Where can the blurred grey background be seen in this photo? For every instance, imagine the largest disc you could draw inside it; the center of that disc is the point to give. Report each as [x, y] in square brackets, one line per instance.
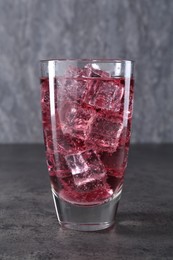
[41, 29]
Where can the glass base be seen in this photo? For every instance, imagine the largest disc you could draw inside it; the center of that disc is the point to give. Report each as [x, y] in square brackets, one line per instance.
[86, 218]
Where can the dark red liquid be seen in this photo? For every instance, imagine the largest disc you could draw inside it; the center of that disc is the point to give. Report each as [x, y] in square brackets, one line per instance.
[86, 124]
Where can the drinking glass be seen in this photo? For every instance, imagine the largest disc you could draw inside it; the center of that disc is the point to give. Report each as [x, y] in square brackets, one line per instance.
[86, 114]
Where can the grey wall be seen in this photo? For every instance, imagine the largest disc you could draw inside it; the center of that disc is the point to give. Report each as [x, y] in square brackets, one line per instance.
[35, 29]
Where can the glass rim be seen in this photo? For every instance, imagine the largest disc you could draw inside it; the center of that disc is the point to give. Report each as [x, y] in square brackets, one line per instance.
[89, 60]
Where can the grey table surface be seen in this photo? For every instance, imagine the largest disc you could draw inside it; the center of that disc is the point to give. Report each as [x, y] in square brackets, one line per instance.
[28, 225]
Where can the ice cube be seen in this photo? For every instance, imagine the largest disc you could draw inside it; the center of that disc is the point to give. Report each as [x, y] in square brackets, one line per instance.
[62, 143]
[94, 71]
[71, 88]
[87, 71]
[77, 191]
[77, 163]
[105, 94]
[75, 120]
[104, 133]
[84, 195]
[86, 167]
[75, 89]
[74, 72]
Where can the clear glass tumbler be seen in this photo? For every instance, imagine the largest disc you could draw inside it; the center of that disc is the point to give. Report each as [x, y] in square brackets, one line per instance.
[86, 114]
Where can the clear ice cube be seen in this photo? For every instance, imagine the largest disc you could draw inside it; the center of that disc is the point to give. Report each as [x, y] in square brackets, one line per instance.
[62, 143]
[104, 133]
[104, 94]
[71, 89]
[86, 167]
[74, 72]
[75, 120]
[75, 89]
[88, 71]
[74, 85]
[94, 71]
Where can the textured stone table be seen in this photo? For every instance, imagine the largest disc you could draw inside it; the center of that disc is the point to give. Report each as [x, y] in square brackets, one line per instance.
[29, 229]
